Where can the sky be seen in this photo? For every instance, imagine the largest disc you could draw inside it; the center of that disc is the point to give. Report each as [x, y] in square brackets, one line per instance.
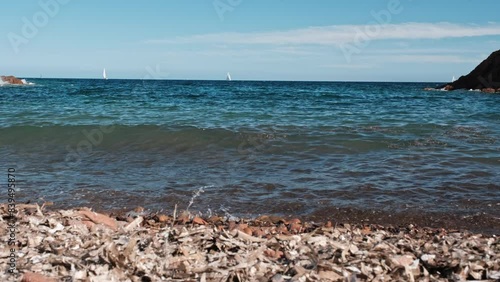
[343, 40]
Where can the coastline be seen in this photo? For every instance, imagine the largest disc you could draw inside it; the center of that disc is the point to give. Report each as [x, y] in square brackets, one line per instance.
[484, 223]
[142, 246]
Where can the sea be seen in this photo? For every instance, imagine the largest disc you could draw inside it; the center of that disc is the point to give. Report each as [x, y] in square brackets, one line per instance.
[366, 152]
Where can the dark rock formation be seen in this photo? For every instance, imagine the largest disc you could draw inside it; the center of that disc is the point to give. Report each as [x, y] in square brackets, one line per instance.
[485, 77]
[11, 79]
[488, 90]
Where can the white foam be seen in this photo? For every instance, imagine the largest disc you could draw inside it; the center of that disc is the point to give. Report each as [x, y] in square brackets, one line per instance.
[27, 82]
[2, 83]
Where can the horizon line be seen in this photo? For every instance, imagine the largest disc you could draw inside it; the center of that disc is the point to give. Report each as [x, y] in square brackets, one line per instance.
[234, 80]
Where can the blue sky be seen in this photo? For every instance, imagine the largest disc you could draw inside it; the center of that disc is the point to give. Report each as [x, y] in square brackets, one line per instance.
[377, 40]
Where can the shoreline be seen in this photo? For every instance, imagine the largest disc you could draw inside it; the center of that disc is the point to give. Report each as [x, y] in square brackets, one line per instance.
[89, 246]
[483, 223]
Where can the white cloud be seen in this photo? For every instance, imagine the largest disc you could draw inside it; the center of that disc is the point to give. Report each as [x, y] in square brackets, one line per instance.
[427, 51]
[348, 66]
[341, 34]
[432, 59]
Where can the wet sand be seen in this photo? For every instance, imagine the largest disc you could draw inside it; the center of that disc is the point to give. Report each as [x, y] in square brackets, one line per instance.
[478, 223]
[464, 217]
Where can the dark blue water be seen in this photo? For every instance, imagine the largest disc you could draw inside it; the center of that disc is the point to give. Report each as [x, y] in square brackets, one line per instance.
[253, 147]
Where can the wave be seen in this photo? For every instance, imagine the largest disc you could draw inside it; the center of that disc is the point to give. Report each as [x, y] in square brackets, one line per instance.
[271, 139]
[187, 139]
[25, 82]
[140, 137]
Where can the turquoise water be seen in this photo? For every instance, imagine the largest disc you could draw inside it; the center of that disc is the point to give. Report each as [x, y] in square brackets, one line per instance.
[253, 147]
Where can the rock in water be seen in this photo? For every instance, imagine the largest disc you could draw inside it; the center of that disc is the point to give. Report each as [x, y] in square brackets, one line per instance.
[488, 90]
[485, 75]
[11, 79]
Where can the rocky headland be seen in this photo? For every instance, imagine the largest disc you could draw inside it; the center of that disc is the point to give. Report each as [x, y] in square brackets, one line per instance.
[12, 80]
[485, 77]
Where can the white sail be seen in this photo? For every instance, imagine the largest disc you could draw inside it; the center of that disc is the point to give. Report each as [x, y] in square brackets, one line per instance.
[104, 74]
[228, 77]
[453, 79]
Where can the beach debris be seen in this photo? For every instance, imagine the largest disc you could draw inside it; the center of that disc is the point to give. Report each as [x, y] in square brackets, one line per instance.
[35, 277]
[81, 245]
[199, 220]
[98, 218]
[134, 224]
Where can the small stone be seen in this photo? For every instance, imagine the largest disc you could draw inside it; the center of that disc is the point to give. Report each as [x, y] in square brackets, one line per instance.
[328, 224]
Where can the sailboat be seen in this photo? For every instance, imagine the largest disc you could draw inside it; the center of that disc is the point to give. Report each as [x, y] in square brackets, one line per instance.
[228, 77]
[453, 79]
[104, 74]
